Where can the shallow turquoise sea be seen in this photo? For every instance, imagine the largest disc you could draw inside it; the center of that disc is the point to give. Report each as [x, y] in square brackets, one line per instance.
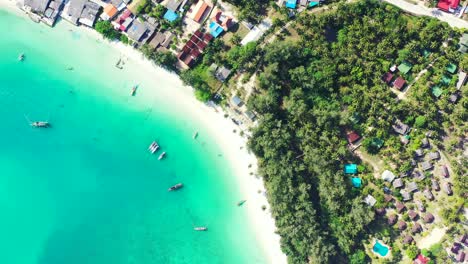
[87, 191]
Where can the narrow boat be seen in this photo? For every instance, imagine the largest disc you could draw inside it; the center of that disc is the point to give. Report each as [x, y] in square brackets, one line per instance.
[21, 57]
[70, 69]
[134, 88]
[241, 202]
[176, 187]
[201, 228]
[195, 135]
[153, 147]
[41, 124]
[162, 156]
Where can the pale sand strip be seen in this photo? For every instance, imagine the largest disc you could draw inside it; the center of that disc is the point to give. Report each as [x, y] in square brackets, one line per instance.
[222, 128]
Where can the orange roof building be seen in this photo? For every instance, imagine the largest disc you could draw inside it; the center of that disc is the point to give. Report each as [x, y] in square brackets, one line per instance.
[199, 11]
[109, 12]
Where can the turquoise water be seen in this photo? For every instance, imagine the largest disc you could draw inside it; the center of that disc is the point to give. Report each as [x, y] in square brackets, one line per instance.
[381, 249]
[86, 190]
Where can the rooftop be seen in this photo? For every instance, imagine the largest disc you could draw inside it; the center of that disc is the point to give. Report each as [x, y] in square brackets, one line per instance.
[405, 67]
[399, 83]
[350, 169]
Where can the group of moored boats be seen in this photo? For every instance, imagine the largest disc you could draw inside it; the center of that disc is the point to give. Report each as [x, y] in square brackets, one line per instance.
[153, 147]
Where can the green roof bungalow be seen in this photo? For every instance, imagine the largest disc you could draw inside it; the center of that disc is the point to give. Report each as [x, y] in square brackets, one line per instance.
[436, 91]
[405, 67]
[357, 182]
[355, 118]
[426, 53]
[350, 169]
[377, 143]
[452, 68]
[445, 80]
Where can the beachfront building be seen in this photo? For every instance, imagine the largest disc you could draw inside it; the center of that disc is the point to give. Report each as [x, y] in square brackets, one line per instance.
[124, 21]
[46, 11]
[161, 40]
[140, 31]
[219, 23]
[81, 12]
[109, 12]
[36, 6]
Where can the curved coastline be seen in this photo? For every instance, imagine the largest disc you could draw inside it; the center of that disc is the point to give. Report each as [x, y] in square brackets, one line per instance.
[222, 130]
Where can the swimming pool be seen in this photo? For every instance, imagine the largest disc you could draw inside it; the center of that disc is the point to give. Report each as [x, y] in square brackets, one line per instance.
[380, 249]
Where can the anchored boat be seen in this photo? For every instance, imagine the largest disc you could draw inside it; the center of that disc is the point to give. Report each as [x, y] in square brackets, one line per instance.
[176, 187]
[201, 228]
[241, 202]
[195, 135]
[134, 88]
[41, 124]
[162, 156]
[21, 57]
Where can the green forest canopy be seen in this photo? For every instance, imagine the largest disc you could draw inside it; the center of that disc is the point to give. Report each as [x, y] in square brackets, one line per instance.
[307, 92]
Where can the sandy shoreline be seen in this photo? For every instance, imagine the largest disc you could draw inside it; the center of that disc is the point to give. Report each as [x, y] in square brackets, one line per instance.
[222, 128]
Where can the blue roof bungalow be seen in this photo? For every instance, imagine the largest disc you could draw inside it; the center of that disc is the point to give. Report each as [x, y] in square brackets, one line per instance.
[313, 4]
[357, 182]
[291, 4]
[215, 29]
[350, 169]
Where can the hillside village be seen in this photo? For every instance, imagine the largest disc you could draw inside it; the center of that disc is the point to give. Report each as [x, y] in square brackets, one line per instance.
[412, 177]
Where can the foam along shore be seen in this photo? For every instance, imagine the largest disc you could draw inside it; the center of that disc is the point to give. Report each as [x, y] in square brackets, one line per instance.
[234, 146]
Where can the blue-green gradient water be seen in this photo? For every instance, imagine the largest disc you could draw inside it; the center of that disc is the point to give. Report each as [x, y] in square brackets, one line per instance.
[87, 191]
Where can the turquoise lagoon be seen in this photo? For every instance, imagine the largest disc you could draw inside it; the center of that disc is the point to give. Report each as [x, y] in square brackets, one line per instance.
[87, 191]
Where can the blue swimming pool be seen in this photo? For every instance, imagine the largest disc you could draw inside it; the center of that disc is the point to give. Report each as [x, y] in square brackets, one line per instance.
[380, 249]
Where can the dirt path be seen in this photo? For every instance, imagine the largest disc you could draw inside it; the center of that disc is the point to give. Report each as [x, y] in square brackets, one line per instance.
[377, 164]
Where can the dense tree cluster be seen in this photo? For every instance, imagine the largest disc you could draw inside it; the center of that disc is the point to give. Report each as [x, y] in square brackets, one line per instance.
[249, 10]
[307, 91]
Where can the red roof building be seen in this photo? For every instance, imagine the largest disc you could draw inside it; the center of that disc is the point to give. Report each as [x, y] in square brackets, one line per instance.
[448, 5]
[352, 137]
[399, 83]
[421, 260]
[387, 77]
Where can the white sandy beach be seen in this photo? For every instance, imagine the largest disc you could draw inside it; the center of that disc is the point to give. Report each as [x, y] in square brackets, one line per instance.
[219, 126]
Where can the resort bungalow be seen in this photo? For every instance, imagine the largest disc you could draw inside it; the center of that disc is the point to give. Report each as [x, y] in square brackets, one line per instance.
[434, 155]
[388, 198]
[357, 182]
[388, 176]
[463, 44]
[406, 195]
[250, 115]
[350, 169]
[425, 143]
[412, 187]
[428, 218]
[387, 77]
[428, 194]
[370, 200]
[36, 6]
[398, 183]
[418, 175]
[399, 83]
[455, 248]
[420, 206]
[392, 219]
[400, 128]
[236, 101]
[448, 189]
[222, 73]
[291, 4]
[426, 165]
[418, 153]
[421, 260]
[416, 228]
[448, 5]
[435, 185]
[444, 171]
[408, 240]
[461, 79]
[453, 98]
[401, 225]
[461, 257]
[413, 215]
[352, 137]
[400, 207]
[109, 12]
[405, 67]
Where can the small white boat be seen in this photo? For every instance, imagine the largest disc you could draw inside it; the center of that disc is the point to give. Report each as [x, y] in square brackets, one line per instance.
[201, 228]
[195, 135]
[42, 124]
[162, 156]
[176, 187]
[21, 57]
